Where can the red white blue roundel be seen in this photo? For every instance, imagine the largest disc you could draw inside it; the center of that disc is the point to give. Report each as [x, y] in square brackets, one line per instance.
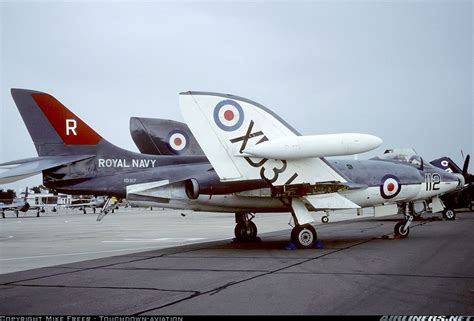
[228, 115]
[390, 186]
[177, 141]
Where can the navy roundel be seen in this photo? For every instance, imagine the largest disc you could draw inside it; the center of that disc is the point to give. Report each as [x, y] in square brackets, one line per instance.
[228, 115]
[178, 141]
[390, 186]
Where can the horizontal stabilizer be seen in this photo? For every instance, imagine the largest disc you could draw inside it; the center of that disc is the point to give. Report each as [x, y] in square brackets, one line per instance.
[32, 166]
[330, 201]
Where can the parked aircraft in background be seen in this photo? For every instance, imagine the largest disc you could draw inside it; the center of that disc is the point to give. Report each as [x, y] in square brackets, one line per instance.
[30, 201]
[18, 204]
[257, 163]
[88, 202]
[465, 197]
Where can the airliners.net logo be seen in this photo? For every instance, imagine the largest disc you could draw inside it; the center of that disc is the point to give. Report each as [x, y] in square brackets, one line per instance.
[426, 318]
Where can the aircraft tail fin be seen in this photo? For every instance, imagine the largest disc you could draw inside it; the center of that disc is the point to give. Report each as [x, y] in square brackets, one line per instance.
[447, 164]
[54, 129]
[226, 126]
[163, 137]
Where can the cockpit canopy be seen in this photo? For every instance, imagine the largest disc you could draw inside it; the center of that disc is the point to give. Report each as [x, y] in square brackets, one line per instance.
[406, 156]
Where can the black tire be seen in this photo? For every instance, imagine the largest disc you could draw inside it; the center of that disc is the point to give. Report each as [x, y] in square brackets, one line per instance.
[304, 236]
[245, 231]
[449, 214]
[399, 230]
[325, 219]
[471, 207]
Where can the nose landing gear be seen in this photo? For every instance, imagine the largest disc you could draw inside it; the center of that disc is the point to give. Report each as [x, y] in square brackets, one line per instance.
[402, 228]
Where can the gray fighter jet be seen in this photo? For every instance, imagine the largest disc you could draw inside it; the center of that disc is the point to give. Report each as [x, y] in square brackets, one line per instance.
[155, 136]
[74, 159]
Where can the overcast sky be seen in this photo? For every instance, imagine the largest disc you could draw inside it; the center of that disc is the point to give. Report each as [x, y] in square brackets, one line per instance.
[401, 70]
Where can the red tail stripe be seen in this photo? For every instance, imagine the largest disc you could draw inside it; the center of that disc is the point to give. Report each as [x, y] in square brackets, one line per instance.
[58, 115]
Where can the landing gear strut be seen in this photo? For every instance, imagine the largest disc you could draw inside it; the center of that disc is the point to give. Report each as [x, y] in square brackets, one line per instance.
[402, 228]
[303, 234]
[245, 230]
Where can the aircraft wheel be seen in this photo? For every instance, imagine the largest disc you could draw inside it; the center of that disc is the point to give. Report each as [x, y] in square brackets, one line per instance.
[449, 214]
[245, 231]
[400, 231]
[471, 207]
[3, 214]
[304, 236]
[16, 213]
[325, 219]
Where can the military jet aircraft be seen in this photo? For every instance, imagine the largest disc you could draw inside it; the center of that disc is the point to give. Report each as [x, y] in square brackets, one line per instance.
[93, 202]
[241, 176]
[244, 140]
[155, 136]
[28, 202]
[18, 204]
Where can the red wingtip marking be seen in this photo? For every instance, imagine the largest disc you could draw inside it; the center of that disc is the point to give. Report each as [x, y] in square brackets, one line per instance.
[62, 119]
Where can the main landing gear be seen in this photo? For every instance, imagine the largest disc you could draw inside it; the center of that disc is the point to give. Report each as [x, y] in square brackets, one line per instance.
[402, 228]
[304, 236]
[449, 214]
[245, 230]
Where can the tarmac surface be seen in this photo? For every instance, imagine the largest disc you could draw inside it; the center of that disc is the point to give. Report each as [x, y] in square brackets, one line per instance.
[192, 267]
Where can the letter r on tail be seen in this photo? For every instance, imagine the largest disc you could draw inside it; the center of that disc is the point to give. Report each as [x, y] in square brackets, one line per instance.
[71, 126]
